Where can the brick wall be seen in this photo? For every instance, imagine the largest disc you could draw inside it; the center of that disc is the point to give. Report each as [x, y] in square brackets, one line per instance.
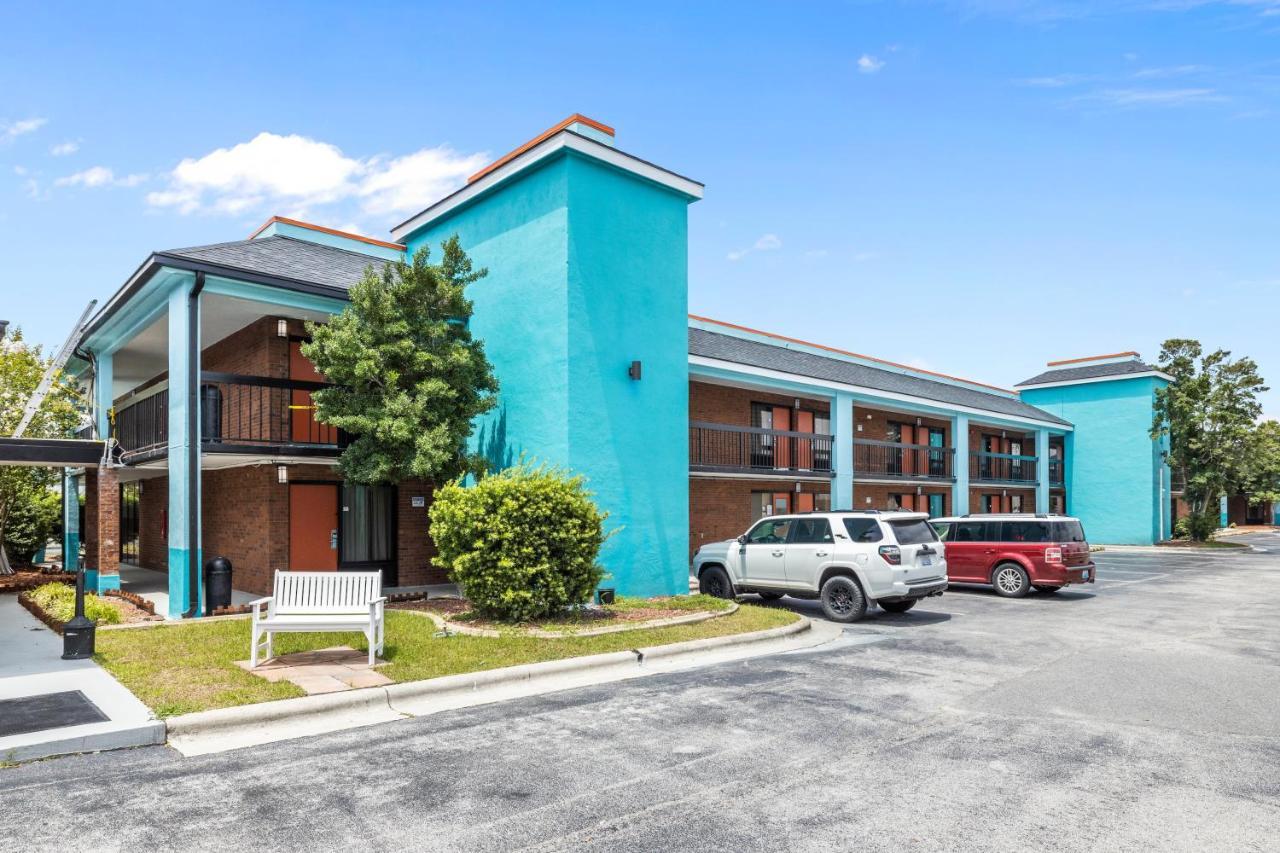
[721, 509]
[414, 547]
[874, 424]
[1028, 499]
[722, 405]
[153, 536]
[880, 499]
[101, 534]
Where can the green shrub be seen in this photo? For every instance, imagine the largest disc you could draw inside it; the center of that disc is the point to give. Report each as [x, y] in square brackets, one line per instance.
[522, 543]
[59, 601]
[1200, 526]
[1182, 528]
[32, 522]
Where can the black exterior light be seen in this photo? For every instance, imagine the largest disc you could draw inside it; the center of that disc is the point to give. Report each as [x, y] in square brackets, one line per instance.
[78, 634]
[634, 370]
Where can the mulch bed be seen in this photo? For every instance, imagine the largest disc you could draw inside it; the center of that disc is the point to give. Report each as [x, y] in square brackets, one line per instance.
[459, 610]
[130, 612]
[26, 579]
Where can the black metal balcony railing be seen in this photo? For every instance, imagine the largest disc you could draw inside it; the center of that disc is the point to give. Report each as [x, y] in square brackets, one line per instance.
[730, 449]
[1177, 480]
[1001, 467]
[240, 414]
[872, 458]
[1055, 472]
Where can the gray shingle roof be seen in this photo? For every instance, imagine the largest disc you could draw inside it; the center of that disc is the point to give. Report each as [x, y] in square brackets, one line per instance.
[785, 359]
[1088, 371]
[286, 257]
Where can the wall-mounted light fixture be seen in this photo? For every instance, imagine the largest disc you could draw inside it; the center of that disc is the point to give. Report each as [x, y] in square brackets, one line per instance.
[282, 473]
[635, 370]
[919, 490]
[918, 421]
[797, 488]
[282, 328]
[797, 403]
[868, 499]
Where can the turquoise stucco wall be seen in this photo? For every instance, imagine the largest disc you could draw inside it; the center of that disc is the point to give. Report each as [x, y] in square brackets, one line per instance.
[1114, 470]
[588, 272]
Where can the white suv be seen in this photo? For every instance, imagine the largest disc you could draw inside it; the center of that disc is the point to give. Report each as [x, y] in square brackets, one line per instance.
[846, 559]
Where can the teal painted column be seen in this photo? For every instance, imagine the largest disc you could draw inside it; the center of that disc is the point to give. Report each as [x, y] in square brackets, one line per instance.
[960, 443]
[842, 429]
[1222, 511]
[70, 521]
[1042, 470]
[103, 380]
[182, 324]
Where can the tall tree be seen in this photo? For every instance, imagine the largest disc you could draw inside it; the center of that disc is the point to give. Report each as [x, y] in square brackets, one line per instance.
[1261, 483]
[408, 376]
[1208, 412]
[21, 367]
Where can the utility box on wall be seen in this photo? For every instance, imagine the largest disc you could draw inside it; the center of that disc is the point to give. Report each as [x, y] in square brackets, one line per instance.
[587, 253]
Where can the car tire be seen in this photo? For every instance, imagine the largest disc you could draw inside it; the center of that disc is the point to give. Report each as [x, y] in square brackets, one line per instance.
[1046, 588]
[769, 596]
[898, 606]
[1010, 580]
[714, 581]
[842, 600]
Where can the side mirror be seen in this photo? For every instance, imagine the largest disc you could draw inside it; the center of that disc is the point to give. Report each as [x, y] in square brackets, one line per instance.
[742, 540]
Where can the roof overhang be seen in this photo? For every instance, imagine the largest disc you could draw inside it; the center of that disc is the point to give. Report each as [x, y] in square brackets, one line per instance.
[1114, 377]
[50, 452]
[561, 143]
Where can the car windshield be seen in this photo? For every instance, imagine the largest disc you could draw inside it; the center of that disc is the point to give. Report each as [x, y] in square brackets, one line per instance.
[914, 531]
[1069, 531]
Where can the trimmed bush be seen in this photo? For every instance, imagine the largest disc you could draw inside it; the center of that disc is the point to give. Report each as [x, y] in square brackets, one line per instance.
[522, 544]
[59, 601]
[1201, 525]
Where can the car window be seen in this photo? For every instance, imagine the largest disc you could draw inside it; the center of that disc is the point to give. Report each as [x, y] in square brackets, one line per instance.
[811, 530]
[942, 528]
[1027, 532]
[863, 529]
[915, 531]
[1068, 531]
[770, 532]
[968, 531]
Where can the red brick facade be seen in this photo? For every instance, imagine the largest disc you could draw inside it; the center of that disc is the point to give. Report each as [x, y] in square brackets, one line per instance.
[722, 405]
[721, 509]
[102, 520]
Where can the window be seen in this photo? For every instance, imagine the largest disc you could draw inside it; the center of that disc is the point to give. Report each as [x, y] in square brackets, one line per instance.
[1068, 531]
[1027, 531]
[773, 532]
[811, 531]
[913, 532]
[822, 501]
[1015, 503]
[990, 503]
[971, 531]
[863, 529]
[368, 519]
[937, 458]
[761, 505]
[943, 529]
[897, 501]
[129, 497]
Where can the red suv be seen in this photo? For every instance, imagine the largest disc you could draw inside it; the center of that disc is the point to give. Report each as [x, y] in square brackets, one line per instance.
[1015, 553]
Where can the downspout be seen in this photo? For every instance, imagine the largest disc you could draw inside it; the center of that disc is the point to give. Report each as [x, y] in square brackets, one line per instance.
[193, 447]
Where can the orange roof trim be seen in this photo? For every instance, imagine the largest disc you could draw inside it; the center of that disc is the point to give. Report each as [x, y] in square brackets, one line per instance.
[334, 231]
[576, 118]
[854, 354]
[1091, 358]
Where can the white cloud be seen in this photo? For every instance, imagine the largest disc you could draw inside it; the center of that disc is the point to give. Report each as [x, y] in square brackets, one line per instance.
[62, 149]
[12, 130]
[861, 257]
[1169, 71]
[304, 173]
[1055, 81]
[868, 64]
[98, 176]
[1133, 97]
[765, 243]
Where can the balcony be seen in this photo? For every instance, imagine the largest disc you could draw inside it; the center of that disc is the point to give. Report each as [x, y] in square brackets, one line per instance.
[987, 467]
[238, 414]
[1177, 481]
[874, 459]
[1055, 472]
[721, 448]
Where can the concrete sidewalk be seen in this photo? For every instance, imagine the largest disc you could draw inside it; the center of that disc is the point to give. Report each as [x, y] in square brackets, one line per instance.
[31, 665]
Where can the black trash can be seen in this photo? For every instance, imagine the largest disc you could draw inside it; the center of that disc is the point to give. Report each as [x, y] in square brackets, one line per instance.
[217, 584]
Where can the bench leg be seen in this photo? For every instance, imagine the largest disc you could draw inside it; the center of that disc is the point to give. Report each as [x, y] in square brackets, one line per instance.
[253, 648]
[373, 644]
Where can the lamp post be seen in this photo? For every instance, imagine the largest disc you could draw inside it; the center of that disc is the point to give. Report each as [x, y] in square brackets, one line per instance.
[78, 634]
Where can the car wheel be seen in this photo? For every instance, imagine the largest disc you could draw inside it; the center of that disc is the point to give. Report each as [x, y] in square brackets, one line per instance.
[714, 581]
[1010, 580]
[1045, 588]
[769, 596]
[842, 600]
[898, 606]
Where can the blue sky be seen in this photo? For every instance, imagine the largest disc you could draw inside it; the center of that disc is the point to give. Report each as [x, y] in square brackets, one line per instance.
[972, 187]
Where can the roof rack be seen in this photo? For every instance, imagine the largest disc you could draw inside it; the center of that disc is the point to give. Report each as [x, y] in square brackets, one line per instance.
[1012, 515]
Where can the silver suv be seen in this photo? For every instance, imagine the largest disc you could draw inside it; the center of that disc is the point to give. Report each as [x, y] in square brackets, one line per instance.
[845, 559]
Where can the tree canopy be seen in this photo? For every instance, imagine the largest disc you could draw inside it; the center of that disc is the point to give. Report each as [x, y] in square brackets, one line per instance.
[408, 376]
[1208, 412]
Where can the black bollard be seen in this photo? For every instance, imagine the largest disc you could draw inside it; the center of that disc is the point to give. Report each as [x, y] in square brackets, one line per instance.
[78, 634]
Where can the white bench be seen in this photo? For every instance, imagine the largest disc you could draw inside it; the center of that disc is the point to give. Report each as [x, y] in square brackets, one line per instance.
[320, 601]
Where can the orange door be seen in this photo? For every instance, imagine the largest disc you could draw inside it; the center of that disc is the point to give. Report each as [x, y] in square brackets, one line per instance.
[781, 446]
[313, 527]
[804, 446]
[303, 428]
[804, 502]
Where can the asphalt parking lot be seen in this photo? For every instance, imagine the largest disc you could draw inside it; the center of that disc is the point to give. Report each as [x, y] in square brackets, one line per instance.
[1138, 713]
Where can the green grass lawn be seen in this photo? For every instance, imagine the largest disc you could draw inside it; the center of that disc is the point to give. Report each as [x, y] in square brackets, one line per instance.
[179, 669]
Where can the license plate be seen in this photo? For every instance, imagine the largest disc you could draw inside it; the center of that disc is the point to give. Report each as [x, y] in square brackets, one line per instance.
[1084, 575]
[926, 561]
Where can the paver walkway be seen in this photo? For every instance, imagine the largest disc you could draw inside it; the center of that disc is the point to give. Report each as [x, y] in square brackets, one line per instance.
[322, 671]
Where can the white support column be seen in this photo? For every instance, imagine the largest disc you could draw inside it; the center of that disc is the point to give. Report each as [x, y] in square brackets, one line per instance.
[1042, 470]
[960, 443]
[842, 429]
[184, 477]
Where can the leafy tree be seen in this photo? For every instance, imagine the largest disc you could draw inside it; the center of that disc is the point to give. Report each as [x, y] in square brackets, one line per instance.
[408, 377]
[1208, 412]
[1261, 483]
[21, 367]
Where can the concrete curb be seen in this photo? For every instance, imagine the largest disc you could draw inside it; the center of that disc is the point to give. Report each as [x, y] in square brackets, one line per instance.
[248, 725]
